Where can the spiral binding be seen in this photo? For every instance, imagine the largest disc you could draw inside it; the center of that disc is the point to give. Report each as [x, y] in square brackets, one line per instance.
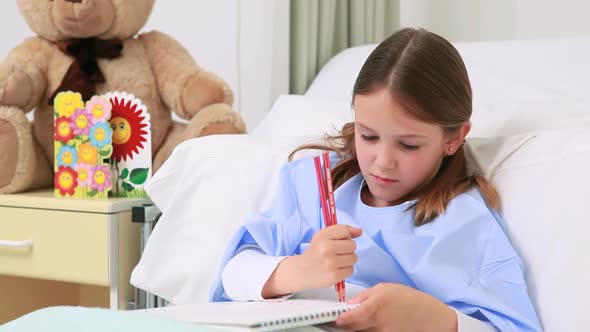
[300, 320]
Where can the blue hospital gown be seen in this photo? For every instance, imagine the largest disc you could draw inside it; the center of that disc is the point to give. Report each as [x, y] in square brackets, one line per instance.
[463, 257]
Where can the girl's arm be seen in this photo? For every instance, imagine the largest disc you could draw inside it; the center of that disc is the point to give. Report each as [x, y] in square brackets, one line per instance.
[330, 258]
[275, 232]
[252, 275]
[244, 275]
[293, 226]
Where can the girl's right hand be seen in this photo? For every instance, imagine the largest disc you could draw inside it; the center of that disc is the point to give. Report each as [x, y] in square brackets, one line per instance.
[330, 256]
[328, 259]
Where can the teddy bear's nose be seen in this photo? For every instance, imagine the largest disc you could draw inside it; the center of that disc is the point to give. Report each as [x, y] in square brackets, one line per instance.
[74, 1]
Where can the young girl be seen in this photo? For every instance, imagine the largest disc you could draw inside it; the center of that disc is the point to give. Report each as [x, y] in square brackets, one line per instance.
[419, 241]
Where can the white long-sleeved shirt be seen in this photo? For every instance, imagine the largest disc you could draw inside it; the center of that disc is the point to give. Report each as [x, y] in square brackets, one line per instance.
[253, 268]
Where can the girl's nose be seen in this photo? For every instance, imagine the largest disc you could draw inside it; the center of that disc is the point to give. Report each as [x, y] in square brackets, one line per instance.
[386, 159]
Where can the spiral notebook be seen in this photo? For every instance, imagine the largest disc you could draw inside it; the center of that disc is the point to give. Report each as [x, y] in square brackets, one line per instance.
[257, 316]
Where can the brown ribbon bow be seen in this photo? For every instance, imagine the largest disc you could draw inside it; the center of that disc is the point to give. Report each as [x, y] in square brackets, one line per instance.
[84, 73]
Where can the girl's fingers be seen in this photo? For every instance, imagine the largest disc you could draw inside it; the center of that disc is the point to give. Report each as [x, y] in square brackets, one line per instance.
[336, 232]
[367, 308]
[344, 273]
[360, 318]
[355, 231]
[340, 232]
[362, 296]
[343, 261]
[344, 247]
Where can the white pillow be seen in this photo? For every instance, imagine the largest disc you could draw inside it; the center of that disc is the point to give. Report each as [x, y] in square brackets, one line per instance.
[205, 190]
[512, 71]
[210, 185]
[508, 118]
[544, 184]
[296, 119]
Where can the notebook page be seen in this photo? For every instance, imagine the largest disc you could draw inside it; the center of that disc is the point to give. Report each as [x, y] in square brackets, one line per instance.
[256, 315]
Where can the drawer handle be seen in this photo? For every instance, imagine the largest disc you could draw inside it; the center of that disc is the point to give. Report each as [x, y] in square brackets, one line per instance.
[16, 244]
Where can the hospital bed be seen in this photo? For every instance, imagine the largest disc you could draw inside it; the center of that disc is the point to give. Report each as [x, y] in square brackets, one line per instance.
[530, 137]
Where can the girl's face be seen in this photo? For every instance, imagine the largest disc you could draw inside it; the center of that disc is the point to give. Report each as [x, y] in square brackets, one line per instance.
[396, 153]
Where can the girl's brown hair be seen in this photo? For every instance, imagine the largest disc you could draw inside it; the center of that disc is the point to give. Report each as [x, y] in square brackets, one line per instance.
[426, 75]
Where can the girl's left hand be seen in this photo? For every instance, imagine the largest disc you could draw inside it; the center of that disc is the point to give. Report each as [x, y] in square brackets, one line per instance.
[395, 307]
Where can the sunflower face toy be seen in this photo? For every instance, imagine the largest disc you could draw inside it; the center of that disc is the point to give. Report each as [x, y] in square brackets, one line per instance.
[132, 155]
[84, 47]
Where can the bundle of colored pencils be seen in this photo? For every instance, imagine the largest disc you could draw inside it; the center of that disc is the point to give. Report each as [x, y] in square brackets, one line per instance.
[324, 177]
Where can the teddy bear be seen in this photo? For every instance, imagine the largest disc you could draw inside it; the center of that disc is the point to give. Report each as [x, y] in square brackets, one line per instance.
[93, 47]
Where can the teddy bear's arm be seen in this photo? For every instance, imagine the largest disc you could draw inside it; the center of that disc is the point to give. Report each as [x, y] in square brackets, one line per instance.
[22, 74]
[185, 87]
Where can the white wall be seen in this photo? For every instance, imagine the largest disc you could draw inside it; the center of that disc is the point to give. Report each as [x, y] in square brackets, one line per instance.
[264, 56]
[11, 37]
[543, 18]
[232, 38]
[246, 42]
[207, 29]
[467, 20]
[236, 40]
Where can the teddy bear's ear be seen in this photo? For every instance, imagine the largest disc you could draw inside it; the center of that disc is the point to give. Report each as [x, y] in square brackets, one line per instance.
[62, 19]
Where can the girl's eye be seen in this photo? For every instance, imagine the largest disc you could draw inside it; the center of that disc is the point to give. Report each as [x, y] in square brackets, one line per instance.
[409, 147]
[369, 138]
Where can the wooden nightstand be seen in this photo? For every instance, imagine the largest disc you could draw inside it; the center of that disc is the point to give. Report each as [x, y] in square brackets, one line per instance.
[56, 251]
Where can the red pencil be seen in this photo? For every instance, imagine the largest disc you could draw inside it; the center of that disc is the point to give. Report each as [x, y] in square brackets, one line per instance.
[322, 189]
[340, 286]
[328, 206]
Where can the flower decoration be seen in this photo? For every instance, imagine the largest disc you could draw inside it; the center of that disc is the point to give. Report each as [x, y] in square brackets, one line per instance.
[99, 107]
[128, 127]
[66, 156]
[84, 174]
[63, 130]
[66, 103]
[81, 122]
[65, 180]
[88, 154]
[100, 134]
[101, 178]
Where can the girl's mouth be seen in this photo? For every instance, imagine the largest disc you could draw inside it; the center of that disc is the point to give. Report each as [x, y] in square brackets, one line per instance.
[384, 180]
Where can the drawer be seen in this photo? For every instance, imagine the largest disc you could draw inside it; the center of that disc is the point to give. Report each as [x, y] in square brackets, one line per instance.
[66, 245]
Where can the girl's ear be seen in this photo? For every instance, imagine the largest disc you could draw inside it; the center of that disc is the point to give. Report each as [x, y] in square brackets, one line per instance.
[457, 138]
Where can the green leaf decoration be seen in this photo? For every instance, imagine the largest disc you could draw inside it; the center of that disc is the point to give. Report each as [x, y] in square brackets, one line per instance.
[124, 173]
[105, 153]
[139, 175]
[128, 187]
[92, 193]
